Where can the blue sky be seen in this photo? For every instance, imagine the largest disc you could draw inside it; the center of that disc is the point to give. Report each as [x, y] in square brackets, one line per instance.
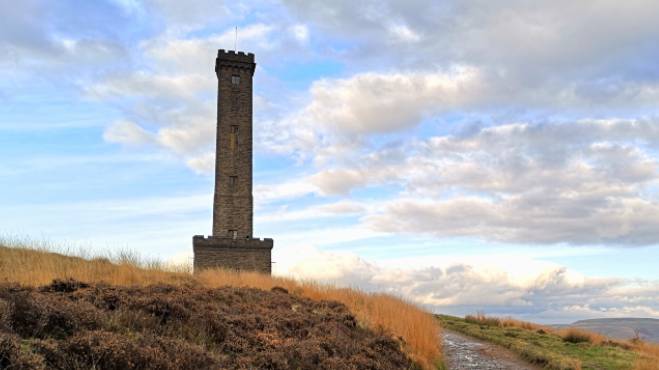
[469, 155]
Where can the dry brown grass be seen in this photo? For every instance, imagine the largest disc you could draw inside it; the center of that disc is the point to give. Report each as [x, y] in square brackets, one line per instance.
[481, 319]
[418, 329]
[575, 335]
[505, 322]
[572, 335]
[648, 356]
[513, 323]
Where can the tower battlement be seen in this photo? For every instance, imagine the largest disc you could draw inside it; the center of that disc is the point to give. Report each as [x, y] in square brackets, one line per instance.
[234, 59]
[239, 56]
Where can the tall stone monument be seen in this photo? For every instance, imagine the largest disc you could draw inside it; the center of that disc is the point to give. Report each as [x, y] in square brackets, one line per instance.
[232, 245]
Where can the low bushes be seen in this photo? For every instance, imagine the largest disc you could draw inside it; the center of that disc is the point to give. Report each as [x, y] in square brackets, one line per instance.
[416, 329]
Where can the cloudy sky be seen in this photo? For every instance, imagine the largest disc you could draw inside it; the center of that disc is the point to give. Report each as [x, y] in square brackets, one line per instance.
[496, 156]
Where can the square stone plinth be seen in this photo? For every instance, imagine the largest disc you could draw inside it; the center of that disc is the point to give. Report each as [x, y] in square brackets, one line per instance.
[244, 254]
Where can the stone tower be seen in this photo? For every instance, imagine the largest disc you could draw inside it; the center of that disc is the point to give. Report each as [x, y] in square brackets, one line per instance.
[231, 245]
[232, 211]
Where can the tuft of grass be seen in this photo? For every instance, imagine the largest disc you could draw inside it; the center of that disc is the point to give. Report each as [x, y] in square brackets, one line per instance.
[648, 355]
[574, 335]
[554, 349]
[481, 319]
[417, 329]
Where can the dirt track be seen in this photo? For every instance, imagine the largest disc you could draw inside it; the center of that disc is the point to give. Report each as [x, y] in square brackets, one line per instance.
[463, 352]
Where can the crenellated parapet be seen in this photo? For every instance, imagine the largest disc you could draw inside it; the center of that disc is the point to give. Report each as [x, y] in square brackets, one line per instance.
[233, 59]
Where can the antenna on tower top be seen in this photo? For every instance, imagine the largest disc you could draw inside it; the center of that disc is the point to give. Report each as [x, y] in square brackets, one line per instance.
[235, 41]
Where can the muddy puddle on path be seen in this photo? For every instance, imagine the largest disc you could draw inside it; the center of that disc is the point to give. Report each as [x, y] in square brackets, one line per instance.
[462, 352]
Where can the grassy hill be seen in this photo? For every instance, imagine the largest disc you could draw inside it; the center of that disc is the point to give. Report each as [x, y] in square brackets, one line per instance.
[71, 317]
[621, 328]
[73, 325]
[559, 349]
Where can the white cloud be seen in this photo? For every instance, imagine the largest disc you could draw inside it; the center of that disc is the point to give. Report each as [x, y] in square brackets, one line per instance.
[343, 207]
[289, 189]
[404, 33]
[187, 139]
[300, 33]
[203, 164]
[196, 55]
[338, 181]
[126, 132]
[519, 36]
[556, 56]
[534, 219]
[384, 102]
[342, 114]
[176, 94]
[39, 38]
[521, 287]
[323, 211]
[586, 182]
[149, 85]
[178, 16]
[339, 268]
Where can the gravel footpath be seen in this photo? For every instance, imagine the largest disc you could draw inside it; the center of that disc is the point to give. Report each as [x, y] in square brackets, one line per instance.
[464, 352]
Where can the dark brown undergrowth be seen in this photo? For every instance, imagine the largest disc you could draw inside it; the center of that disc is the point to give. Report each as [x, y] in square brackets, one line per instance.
[72, 325]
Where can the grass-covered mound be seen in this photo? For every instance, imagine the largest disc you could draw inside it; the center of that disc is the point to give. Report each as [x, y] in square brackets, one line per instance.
[72, 325]
[415, 331]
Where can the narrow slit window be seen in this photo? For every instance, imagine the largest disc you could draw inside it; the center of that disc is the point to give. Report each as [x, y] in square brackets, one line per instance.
[232, 182]
[235, 105]
[234, 138]
[235, 80]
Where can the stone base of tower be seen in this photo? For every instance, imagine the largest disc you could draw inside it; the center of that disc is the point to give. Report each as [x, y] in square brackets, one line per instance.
[229, 253]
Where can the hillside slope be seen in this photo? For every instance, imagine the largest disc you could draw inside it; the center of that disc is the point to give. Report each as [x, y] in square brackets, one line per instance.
[622, 328]
[70, 325]
[415, 330]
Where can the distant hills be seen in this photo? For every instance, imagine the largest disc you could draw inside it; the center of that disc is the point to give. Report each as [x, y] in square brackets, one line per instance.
[621, 328]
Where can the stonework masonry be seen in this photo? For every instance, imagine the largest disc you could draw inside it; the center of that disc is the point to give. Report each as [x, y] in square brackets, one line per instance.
[232, 212]
[236, 254]
[232, 245]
